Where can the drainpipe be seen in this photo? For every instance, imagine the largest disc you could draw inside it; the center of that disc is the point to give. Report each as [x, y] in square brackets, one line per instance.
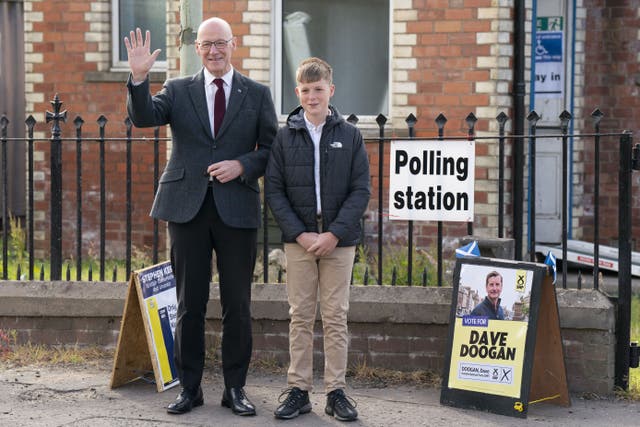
[190, 19]
[518, 123]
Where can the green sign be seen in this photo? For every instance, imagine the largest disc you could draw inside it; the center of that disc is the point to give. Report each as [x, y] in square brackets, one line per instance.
[549, 23]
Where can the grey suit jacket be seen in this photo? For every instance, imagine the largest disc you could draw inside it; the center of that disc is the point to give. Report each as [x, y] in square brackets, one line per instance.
[248, 129]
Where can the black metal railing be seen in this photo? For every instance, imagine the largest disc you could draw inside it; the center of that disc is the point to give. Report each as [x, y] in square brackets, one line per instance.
[629, 161]
[56, 187]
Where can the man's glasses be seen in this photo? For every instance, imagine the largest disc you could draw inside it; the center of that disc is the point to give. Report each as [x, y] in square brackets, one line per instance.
[219, 44]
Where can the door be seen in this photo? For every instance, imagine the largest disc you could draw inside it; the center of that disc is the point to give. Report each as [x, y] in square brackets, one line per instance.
[551, 95]
[12, 101]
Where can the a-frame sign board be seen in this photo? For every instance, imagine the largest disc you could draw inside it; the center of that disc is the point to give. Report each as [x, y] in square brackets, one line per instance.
[503, 360]
[145, 343]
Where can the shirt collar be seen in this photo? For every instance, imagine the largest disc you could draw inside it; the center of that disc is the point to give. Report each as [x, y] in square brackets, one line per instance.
[313, 127]
[227, 77]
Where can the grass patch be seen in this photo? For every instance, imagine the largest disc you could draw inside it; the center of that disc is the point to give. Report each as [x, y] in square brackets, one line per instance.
[18, 261]
[38, 355]
[360, 375]
[395, 266]
[369, 376]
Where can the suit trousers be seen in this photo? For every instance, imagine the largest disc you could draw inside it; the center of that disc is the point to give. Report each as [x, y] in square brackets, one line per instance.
[310, 276]
[192, 244]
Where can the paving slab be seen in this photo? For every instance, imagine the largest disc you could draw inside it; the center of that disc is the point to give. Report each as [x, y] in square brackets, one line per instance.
[80, 396]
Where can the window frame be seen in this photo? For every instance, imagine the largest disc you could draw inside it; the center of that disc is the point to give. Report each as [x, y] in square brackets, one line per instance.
[117, 43]
[276, 64]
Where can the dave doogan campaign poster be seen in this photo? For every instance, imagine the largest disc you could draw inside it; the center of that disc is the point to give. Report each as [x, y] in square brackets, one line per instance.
[490, 330]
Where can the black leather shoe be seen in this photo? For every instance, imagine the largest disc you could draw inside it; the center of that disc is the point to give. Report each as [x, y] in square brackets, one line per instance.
[185, 402]
[237, 400]
[296, 403]
[340, 406]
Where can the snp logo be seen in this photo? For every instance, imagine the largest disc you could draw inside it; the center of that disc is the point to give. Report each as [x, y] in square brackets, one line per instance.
[521, 280]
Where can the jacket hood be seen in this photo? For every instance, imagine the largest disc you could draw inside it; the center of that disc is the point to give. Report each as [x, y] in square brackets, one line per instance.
[295, 119]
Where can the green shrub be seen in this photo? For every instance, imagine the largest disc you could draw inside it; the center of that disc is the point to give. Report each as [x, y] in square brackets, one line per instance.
[395, 258]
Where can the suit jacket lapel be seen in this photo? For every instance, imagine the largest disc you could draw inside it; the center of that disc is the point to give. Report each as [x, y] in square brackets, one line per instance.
[199, 100]
[236, 98]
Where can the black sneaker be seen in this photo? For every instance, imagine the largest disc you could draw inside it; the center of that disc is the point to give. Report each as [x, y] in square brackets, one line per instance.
[296, 403]
[340, 406]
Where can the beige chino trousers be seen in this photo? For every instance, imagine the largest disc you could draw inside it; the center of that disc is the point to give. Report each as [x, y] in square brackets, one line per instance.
[310, 278]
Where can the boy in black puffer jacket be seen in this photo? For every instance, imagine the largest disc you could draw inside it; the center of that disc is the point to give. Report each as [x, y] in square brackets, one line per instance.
[317, 186]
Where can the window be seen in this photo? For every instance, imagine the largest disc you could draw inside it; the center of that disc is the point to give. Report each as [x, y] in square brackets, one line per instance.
[352, 36]
[145, 14]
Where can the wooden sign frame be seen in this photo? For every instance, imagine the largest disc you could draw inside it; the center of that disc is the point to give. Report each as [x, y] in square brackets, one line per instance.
[504, 365]
[145, 342]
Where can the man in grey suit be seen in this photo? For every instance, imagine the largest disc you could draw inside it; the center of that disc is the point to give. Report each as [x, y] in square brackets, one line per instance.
[222, 125]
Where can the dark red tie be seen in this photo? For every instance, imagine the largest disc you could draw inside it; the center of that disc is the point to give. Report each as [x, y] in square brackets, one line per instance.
[219, 106]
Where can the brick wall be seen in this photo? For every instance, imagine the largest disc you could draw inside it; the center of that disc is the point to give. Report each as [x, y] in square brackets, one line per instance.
[68, 48]
[612, 83]
[449, 56]
[392, 327]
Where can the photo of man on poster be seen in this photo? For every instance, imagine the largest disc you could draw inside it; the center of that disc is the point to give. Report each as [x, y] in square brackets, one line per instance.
[490, 305]
[493, 293]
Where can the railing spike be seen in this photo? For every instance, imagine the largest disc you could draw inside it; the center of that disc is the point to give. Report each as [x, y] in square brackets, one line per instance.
[441, 120]
[30, 122]
[565, 117]
[533, 118]
[502, 118]
[78, 122]
[471, 120]
[597, 115]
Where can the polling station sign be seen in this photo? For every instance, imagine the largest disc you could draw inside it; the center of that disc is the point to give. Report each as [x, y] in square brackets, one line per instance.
[432, 180]
[495, 345]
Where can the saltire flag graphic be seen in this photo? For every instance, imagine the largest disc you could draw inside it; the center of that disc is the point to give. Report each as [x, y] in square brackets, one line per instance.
[471, 249]
[551, 262]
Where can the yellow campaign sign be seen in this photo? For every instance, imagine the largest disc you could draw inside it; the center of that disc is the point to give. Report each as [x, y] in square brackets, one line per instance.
[156, 331]
[488, 359]
[145, 342]
[157, 293]
[504, 350]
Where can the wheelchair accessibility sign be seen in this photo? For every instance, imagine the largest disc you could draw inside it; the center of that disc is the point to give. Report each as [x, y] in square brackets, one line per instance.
[549, 64]
[548, 46]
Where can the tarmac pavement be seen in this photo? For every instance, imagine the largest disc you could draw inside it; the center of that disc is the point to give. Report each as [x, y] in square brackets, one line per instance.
[81, 396]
